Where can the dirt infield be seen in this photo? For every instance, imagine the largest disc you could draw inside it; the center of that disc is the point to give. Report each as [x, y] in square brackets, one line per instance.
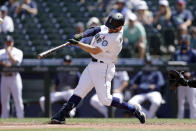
[148, 125]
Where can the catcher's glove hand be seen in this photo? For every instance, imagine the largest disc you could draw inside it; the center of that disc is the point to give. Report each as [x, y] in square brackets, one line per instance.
[176, 79]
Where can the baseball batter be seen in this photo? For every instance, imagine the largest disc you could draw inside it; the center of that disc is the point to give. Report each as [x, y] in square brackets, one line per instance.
[104, 49]
[11, 82]
[120, 82]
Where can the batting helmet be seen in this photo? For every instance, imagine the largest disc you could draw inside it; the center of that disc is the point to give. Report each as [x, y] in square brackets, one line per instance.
[115, 20]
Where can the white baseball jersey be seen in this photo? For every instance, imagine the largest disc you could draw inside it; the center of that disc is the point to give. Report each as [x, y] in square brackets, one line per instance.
[11, 83]
[17, 54]
[99, 74]
[119, 78]
[7, 25]
[110, 43]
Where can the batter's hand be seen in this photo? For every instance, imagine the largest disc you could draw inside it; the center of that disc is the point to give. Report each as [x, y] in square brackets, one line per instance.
[73, 41]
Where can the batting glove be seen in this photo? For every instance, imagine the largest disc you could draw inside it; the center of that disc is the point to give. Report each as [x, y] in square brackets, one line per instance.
[78, 37]
[73, 41]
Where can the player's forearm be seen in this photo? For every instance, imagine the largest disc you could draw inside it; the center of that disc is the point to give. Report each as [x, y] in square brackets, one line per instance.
[123, 86]
[188, 23]
[89, 48]
[29, 9]
[32, 11]
[4, 64]
[13, 61]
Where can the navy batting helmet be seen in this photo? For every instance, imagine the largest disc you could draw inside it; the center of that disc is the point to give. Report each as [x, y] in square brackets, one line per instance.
[115, 20]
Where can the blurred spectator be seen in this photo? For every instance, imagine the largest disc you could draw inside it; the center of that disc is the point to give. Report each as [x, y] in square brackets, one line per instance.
[79, 28]
[120, 82]
[11, 83]
[65, 82]
[143, 14]
[12, 5]
[162, 18]
[182, 17]
[135, 36]
[102, 4]
[131, 4]
[182, 30]
[93, 22]
[193, 40]
[27, 7]
[7, 25]
[147, 84]
[186, 54]
[120, 6]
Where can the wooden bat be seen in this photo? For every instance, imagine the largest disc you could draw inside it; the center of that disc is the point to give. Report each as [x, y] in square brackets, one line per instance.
[50, 51]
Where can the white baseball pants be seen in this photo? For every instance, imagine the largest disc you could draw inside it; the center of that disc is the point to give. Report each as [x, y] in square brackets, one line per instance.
[12, 85]
[154, 97]
[98, 75]
[190, 94]
[100, 107]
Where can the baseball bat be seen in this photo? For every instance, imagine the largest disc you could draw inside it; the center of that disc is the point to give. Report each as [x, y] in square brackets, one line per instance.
[50, 51]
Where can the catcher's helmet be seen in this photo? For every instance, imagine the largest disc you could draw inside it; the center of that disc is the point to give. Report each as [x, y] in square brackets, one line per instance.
[115, 20]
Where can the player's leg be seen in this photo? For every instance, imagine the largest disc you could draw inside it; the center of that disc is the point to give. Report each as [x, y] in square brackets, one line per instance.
[16, 90]
[137, 99]
[155, 98]
[102, 82]
[84, 86]
[66, 96]
[118, 95]
[63, 95]
[5, 97]
[94, 101]
[181, 101]
[52, 100]
[42, 103]
[191, 96]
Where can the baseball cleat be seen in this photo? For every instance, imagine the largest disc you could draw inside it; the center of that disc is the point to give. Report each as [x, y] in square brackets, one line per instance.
[54, 121]
[57, 119]
[139, 114]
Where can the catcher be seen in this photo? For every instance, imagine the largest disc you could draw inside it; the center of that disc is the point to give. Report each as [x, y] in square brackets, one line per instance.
[177, 79]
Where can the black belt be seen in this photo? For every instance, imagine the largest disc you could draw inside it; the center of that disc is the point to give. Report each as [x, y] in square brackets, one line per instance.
[95, 60]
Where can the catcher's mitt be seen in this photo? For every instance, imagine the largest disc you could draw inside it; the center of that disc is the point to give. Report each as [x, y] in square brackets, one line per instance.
[176, 79]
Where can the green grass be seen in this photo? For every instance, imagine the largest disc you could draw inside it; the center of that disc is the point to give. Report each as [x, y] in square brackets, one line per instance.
[96, 120]
[93, 121]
